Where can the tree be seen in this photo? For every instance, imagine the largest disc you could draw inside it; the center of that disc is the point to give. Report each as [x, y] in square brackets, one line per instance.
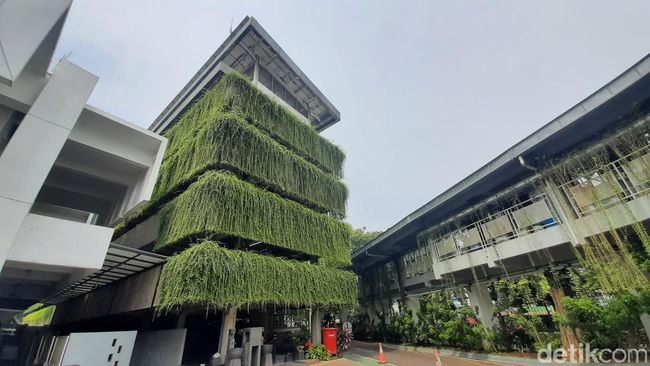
[360, 237]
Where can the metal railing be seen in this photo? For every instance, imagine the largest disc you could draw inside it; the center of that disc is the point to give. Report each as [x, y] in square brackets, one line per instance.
[416, 262]
[519, 220]
[621, 180]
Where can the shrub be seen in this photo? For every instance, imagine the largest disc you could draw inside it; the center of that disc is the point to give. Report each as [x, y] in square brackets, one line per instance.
[611, 324]
[404, 327]
[318, 352]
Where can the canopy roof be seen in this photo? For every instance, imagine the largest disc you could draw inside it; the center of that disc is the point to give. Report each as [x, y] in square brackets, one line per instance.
[248, 41]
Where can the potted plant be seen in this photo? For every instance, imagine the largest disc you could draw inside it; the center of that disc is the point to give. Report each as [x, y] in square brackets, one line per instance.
[298, 340]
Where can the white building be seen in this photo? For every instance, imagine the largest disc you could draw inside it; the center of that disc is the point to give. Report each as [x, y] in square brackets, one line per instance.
[68, 171]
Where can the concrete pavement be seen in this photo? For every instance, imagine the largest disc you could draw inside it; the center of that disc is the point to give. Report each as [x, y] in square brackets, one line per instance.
[365, 354]
[409, 358]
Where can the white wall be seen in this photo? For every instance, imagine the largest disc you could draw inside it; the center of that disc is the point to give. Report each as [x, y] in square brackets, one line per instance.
[23, 27]
[95, 349]
[47, 241]
[31, 152]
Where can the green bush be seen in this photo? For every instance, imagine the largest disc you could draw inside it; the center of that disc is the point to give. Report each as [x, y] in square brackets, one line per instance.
[613, 324]
[404, 327]
[216, 278]
[318, 352]
[219, 204]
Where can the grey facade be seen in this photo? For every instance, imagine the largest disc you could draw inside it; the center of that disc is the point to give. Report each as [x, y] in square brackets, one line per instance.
[509, 218]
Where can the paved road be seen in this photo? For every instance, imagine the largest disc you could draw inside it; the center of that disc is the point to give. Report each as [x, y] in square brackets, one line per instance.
[408, 358]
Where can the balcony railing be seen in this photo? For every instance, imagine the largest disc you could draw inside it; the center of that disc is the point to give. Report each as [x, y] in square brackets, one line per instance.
[621, 180]
[519, 220]
[416, 262]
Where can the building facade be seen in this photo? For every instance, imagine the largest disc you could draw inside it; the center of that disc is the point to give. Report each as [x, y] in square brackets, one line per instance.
[553, 200]
[244, 227]
[69, 171]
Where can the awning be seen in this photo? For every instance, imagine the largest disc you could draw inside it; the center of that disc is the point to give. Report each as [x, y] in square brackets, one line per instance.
[120, 262]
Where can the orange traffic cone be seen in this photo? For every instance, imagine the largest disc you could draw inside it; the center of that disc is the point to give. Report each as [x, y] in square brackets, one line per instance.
[382, 359]
[438, 362]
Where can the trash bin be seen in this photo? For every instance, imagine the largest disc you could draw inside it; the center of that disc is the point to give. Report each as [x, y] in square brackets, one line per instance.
[329, 340]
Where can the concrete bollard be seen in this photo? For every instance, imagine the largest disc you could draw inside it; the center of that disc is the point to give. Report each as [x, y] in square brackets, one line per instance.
[267, 355]
[234, 357]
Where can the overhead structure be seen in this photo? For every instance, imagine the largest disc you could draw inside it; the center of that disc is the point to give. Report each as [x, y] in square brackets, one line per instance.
[251, 50]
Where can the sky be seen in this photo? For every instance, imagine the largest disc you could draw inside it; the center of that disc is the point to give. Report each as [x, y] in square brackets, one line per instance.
[429, 91]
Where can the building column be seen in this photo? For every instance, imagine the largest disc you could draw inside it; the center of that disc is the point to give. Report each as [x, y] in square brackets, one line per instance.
[479, 297]
[32, 150]
[412, 305]
[316, 326]
[228, 319]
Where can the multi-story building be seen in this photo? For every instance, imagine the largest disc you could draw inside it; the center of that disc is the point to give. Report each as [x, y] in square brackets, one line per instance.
[68, 171]
[541, 204]
[248, 207]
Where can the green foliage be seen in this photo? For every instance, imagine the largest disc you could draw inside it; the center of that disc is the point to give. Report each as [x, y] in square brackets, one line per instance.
[219, 204]
[318, 352]
[227, 141]
[441, 324]
[611, 324]
[235, 93]
[216, 278]
[517, 329]
[360, 237]
[38, 315]
[531, 290]
[404, 327]
[299, 338]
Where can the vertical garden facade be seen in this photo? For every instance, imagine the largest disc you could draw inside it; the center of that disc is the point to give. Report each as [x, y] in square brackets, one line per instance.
[249, 203]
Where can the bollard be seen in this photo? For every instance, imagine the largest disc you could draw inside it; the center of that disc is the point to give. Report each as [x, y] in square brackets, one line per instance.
[234, 357]
[267, 355]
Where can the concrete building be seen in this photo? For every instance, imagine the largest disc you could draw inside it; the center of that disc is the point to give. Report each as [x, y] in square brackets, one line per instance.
[109, 301]
[68, 171]
[516, 215]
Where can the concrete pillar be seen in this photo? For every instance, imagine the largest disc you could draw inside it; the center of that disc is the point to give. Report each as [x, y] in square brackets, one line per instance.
[479, 297]
[34, 147]
[256, 70]
[412, 305]
[228, 318]
[316, 326]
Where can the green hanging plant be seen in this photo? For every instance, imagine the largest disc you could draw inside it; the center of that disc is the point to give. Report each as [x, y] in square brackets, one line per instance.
[226, 141]
[216, 278]
[234, 92]
[219, 204]
[38, 315]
